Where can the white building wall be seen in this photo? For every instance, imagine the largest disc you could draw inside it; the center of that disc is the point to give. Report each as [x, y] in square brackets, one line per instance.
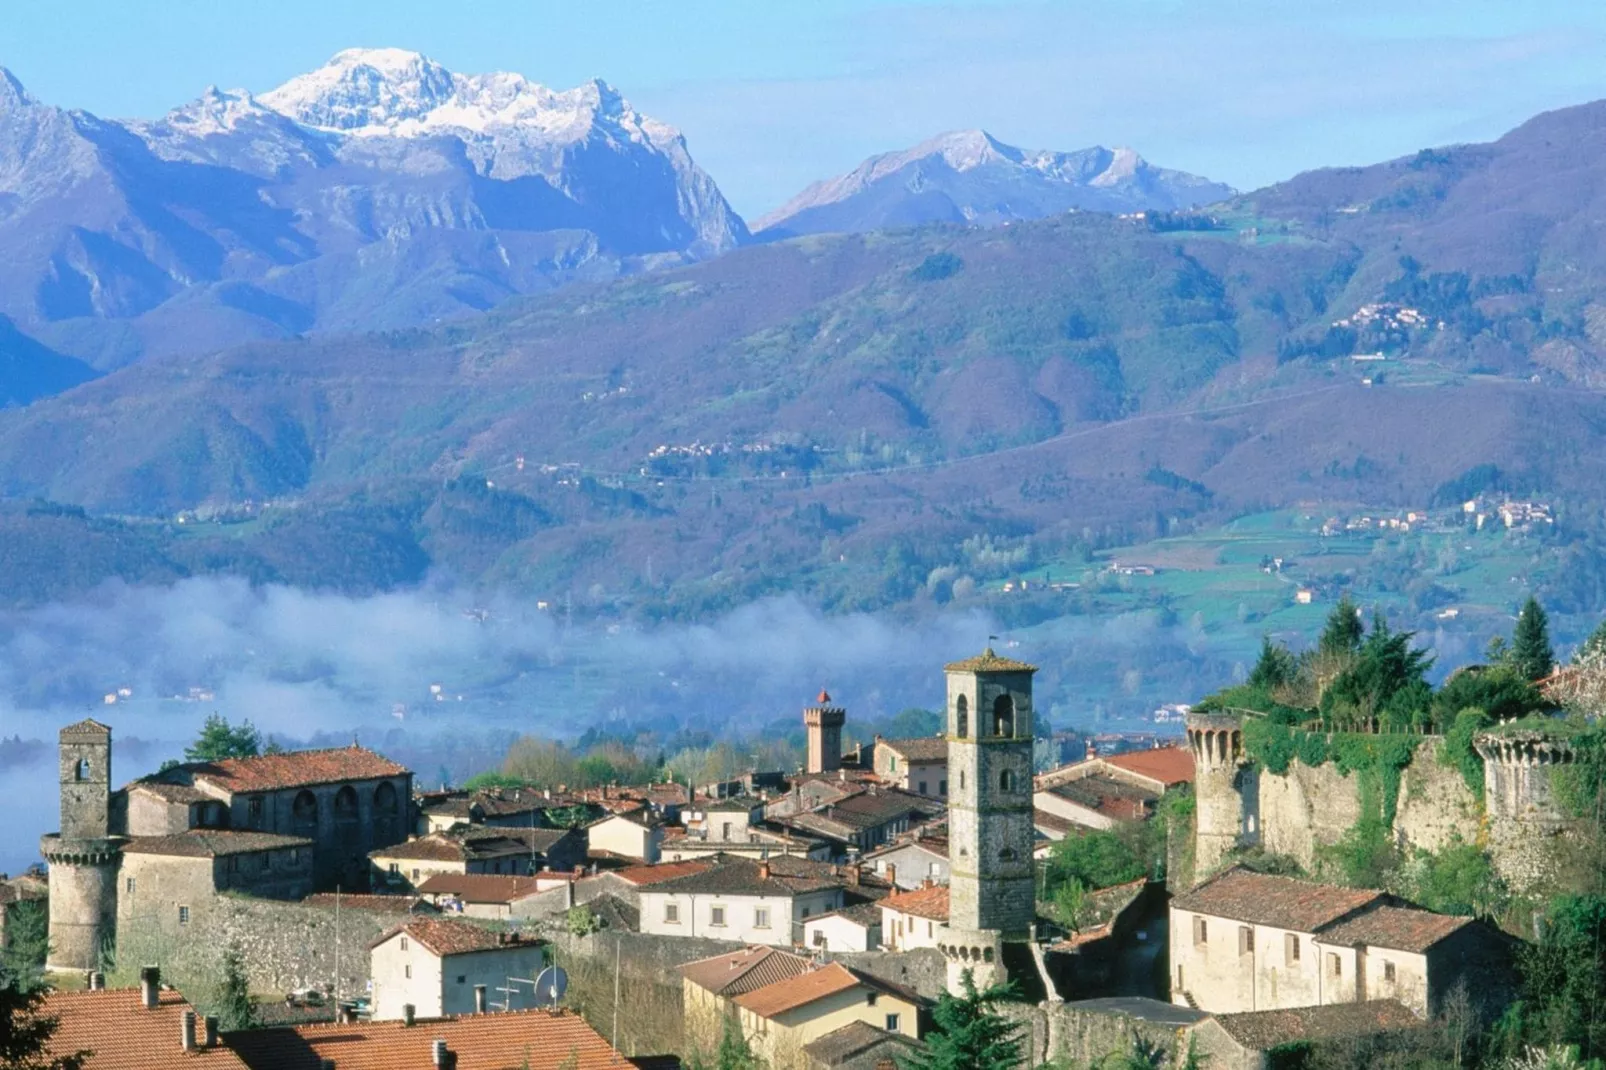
[906, 932]
[404, 971]
[1238, 967]
[836, 933]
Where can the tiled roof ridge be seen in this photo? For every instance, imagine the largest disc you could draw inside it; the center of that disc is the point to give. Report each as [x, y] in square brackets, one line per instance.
[551, 1012]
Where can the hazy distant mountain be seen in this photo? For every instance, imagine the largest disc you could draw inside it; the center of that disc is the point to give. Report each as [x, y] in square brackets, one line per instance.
[380, 190]
[970, 176]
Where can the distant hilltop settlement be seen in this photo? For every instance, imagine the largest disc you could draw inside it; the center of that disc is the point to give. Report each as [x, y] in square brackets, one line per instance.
[816, 916]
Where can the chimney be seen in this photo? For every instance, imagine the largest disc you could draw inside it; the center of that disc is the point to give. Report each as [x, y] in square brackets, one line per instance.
[764, 871]
[149, 978]
[892, 874]
[97, 980]
[210, 1024]
[1092, 750]
[409, 1014]
[442, 1054]
[186, 1027]
[927, 883]
[853, 876]
[479, 999]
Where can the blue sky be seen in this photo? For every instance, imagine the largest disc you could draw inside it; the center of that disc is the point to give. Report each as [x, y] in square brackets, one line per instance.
[774, 94]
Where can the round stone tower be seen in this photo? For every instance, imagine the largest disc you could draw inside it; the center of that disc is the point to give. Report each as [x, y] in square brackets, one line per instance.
[1528, 832]
[83, 857]
[1224, 785]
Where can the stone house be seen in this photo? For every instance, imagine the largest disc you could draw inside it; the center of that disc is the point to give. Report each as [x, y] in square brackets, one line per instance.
[637, 834]
[737, 899]
[403, 867]
[782, 1019]
[440, 966]
[1246, 941]
[853, 928]
[919, 765]
[708, 985]
[167, 880]
[913, 859]
[911, 920]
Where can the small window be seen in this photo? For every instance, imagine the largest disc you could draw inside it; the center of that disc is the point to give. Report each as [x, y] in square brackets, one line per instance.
[128, 885]
[415, 874]
[1179, 977]
[407, 971]
[716, 916]
[934, 868]
[942, 787]
[1290, 948]
[892, 765]
[761, 917]
[963, 719]
[819, 937]
[1201, 935]
[807, 912]
[82, 770]
[1007, 854]
[871, 997]
[1246, 940]
[1388, 972]
[404, 943]
[395, 867]
[987, 954]
[961, 780]
[462, 978]
[183, 915]
[726, 830]
[930, 931]
[1335, 965]
[923, 787]
[892, 1023]
[672, 913]
[1006, 781]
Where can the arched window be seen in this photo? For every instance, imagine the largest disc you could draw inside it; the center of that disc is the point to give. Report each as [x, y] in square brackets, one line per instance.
[1007, 854]
[387, 810]
[1006, 781]
[304, 814]
[987, 954]
[81, 770]
[963, 706]
[1004, 716]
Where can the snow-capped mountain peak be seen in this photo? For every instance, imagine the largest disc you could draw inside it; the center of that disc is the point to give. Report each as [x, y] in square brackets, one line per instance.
[12, 94]
[216, 111]
[361, 88]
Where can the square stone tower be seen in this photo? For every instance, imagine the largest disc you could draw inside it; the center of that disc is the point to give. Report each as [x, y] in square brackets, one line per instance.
[85, 752]
[991, 888]
[84, 856]
[824, 724]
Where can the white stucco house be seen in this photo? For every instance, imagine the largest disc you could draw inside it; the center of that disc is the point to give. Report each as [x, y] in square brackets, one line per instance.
[442, 966]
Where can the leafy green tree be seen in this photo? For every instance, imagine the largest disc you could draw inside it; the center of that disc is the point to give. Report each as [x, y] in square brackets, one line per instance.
[1342, 633]
[1097, 859]
[219, 740]
[235, 1010]
[1564, 976]
[582, 921]
[1498, 690]
[968, 1033]
[26, 945]
[25, 1032]
[1275, 668]
[1070, 903]
[1386, 681]
[1531, 655]
[1594, 645]
[1459, 878]
[735, 1053]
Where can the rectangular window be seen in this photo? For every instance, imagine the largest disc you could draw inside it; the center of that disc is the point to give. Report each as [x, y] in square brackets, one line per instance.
[1290, 948]
[892, 1023]
[1200, 934]
[1335, 966]
[1246, 939]
[462, 978]
[128, 885]
[404, 943]
[716, 916]
[761, 917]
[672, 913]
[942, 787]
[1388, 972]
[726, 828]
[1179, 977]
[253, 811]
[819, 937]
[183, 915]
[871, 997]
[395, 867]
[922, 787]
[407, 971]
[929, 931]
[415, 873]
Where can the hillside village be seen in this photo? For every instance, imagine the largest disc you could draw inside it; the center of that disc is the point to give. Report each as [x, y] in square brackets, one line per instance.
[818, 916]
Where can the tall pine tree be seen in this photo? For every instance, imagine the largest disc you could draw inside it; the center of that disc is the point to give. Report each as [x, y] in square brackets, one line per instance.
[1530, 653]
[969, 1034]
[1341, 636]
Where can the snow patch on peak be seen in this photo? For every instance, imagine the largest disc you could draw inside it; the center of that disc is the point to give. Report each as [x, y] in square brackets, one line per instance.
[216, 111]
[364, 87]
[964, 149]
[1123, 166]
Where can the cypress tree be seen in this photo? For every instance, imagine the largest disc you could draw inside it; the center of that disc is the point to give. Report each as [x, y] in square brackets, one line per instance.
[1530, 642]
[1343, 632]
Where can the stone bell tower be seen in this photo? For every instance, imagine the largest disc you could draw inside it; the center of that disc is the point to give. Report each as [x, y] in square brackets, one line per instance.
[83, 857]
[991, 886]
[824, 724]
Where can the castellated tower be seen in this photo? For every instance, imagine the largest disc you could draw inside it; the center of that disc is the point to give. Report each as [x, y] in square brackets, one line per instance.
[84, 855]
[1224, 790]
[991, 887]
[1528, 832]
[824, 724]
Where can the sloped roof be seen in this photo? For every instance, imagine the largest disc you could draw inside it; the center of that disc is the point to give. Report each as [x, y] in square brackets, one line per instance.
[479, 887]
[452, 936]
[922, 902]
[1106, 795]
[87, 727]
[114, 1025]
[1281, 902]
[854, 1039]
[813, 985]
[294, 769]
[1264, 1030]
[920, 749]
[864, 915]
[987, 661]
[744, 971]
[1398, 928]
[373, 904]
[171, 792]
[540, 1039]
[659, 872]
[1169, 765]
[736, 875]
[212, 843]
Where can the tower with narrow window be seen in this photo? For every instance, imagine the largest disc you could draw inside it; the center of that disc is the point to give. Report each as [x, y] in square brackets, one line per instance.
[823, 723]
[84, 856]
[990, 889]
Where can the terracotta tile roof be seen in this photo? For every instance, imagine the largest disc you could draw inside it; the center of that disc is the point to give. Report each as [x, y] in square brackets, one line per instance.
[744, 971]
[474, 843]
[1105, 795]
[294, 769]
[1169, 765]
[922, 749]
[373, 904]
[87, 727]
[538, 1039]
[451, 936]
[922, 902]
[660, 872]
[1398, 928]
[855, 1040]
[736, 875]
[816, 984]
[1281, 902]
[987, 661]
[213, 843]
[436, 847]
[1264, 1030]
[123, 1035]
[479, 887]
[864, 915]
[176, 793]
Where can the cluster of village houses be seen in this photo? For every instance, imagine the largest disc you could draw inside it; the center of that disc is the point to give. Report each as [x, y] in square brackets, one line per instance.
[796, 873]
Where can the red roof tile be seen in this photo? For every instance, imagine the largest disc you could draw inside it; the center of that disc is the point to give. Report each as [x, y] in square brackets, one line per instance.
[798, 991]
[1281, 902]
[1168, 765]
[482, 887]
[537, 1039]
[114, 1025]
[922, 902]
[294, 769]
[451, 936]
[663, 871]
[1399, 928]
[744, 971]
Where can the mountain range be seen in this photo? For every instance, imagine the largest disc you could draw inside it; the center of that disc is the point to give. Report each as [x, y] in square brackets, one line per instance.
[383, 191]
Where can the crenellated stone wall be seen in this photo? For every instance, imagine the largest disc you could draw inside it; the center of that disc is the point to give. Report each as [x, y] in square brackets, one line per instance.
[1529, 835]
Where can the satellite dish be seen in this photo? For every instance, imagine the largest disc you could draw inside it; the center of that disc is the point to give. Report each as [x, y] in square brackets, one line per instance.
[550, 984]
